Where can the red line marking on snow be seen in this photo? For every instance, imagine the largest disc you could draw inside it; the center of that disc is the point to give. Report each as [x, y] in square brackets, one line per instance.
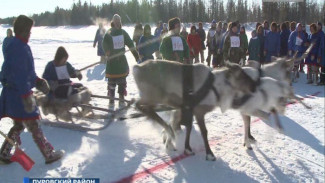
[146, 172]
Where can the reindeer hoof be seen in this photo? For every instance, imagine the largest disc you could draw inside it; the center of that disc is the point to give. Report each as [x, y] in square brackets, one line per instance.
[189, 152]
[251, 139]
[210, 157]
[248, 147]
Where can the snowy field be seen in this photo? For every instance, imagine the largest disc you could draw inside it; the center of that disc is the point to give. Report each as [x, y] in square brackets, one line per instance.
[132, 150]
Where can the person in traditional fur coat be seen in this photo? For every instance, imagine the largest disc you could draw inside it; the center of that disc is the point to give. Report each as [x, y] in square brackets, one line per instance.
[17, 101]
[233, 49]
[58, 73]
[174, 47]
[117, 67]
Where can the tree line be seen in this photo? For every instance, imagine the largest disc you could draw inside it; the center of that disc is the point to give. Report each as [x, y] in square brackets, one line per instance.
[150, 11]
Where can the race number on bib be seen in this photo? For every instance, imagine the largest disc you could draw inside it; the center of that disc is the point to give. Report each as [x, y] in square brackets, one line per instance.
[62, 72]
[177, 43]
[118, 41]
[234, 41]
[298, 41]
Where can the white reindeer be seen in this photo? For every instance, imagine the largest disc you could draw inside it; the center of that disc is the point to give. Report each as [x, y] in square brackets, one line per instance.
[161, 82]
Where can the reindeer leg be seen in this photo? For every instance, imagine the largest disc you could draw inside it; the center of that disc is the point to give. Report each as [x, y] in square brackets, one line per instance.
[250, 137]
[247, 124]
[188, 149]
[204, 132]
[277, 120]
[150, 112]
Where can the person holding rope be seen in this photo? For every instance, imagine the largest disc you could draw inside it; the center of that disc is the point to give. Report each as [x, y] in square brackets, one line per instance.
[148, 44]
[117, 68]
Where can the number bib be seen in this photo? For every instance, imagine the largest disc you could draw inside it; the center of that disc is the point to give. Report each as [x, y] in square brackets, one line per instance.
[234, 41]
[177, 43]
[298, 41]
[118, 42]
[62, 72]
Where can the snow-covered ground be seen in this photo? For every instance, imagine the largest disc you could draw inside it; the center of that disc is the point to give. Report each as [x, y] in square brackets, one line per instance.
[132, 150]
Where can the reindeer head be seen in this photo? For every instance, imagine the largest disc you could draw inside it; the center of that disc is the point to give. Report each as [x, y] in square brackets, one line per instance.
[239, 79]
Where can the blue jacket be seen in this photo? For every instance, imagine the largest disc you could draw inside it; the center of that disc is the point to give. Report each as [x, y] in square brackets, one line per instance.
[99, 39]
[284, 37]
[322, 47]
[18, 79]
[318, 48]
[5, 44]
[271, 45]
[148, 49]
[293, 43]
[50, 73]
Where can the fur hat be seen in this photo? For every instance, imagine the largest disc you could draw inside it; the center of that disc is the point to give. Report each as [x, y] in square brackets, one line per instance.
[172, 22]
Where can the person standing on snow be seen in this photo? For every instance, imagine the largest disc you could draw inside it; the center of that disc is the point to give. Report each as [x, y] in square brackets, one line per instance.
[157, 35]
[99, 39]
[217, 55]
[138, 31]
[17, 99]
[174, 47]
[272, 43]
[284, 36]
[243, 40]
[184, 32]
[260, 35]
[254, 47]
[297, 43]
[211, 48]
[202, 35]
[194, 43]
[321, 57]
[148, 44]
[315, 55]
[7, 40]
[117, 68]
[233, 49]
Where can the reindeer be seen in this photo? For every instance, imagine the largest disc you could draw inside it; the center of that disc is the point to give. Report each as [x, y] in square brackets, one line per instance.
[275, 84]
[162, 82]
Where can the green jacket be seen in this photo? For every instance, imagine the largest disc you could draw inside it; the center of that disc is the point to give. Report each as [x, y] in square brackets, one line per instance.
[234, 52]
[114, 43]
[174, 48]
[254, 49]
[244, 41]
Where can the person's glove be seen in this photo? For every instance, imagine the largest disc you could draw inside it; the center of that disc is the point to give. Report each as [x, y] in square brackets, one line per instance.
[241, 62]
[42, 85]
[29, 103]
[78, 74]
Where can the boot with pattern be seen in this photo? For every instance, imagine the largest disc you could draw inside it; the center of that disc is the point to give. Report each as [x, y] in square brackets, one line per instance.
[14, 135]
[44, 146]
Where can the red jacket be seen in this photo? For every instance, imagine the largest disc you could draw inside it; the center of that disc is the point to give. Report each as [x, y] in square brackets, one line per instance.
[194, 42]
